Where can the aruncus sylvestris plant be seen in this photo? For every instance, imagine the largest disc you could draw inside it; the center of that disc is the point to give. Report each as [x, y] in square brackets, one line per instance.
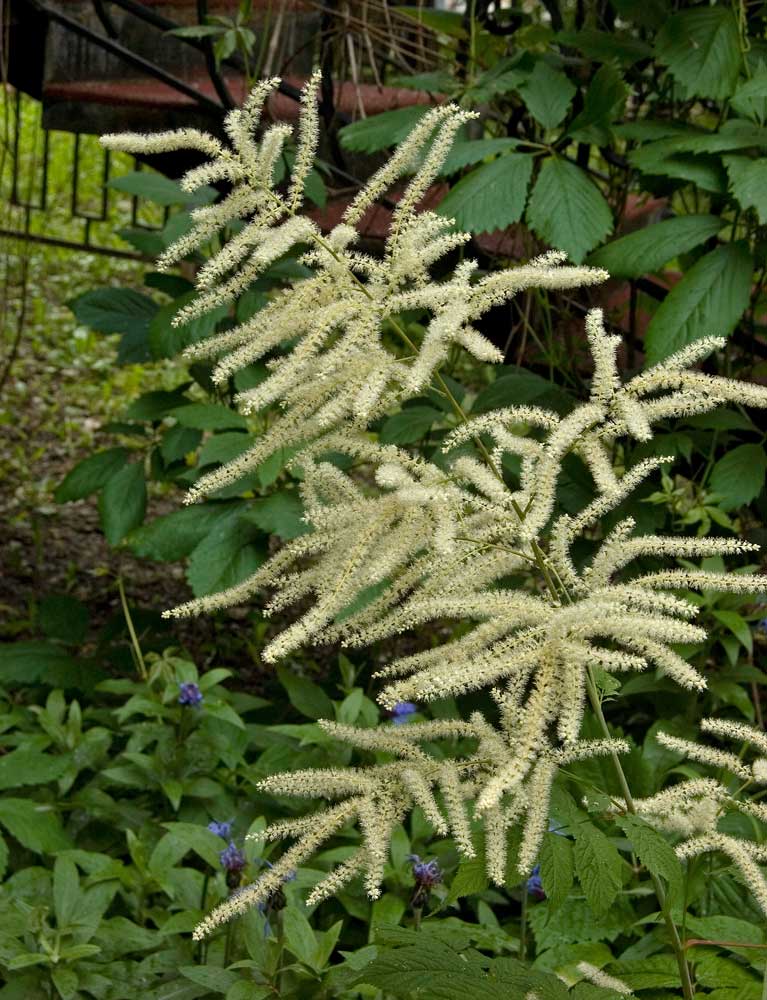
[433, 540]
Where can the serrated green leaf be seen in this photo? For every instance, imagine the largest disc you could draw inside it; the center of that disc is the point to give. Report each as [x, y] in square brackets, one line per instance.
[215, 980]
[279, 514]
[734, 134]
[575, 921]
[567, 210]
[224, 447]
[184, 837]
[209, 417]
[465, 154]
[737, 625]
[598, 866]
[401, 971]
[157, 404]
[663, 159]
[91, 474]
[370, 135]
[725, 928]
[122, 503]
[556, 861]
[718, 971]
[650, 972]
[512, 388]
[709, 300]
[748, 182]
[174, 536]
[177, 442]
[492, 196]
[469, 879]
[66, 982]
[606, 46]
[159, 189]
[114, 310]
[305, 695]
[701, 48]
[230, 553]
[750, 99]
[738, 476]
[605, 100]
[248, 991]
[648, 249]
[168, 341]
[66, 891]
[655, 853]
[299, 936]
[27, 765]
[446, 22]
[34, 825]
[409, 425]
[521, 981]
[547, 93]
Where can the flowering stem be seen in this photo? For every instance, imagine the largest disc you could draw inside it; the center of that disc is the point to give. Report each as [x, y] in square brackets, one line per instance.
[676, 943]
[540, 560]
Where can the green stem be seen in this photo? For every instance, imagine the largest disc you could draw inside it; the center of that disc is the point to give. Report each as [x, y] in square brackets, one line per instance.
[523, 926]
[131, 631]
[203, 952]
[660, 892]
[228, 945]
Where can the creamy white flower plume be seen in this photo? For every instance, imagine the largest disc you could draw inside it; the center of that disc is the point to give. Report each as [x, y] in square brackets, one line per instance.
[404, 544]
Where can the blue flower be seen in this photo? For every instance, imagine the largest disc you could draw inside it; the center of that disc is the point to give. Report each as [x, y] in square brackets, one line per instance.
[425, 873]
[534, 884]
[222, 830]
[232, 860]
[401, 711]
[762, 624]
[189, 694]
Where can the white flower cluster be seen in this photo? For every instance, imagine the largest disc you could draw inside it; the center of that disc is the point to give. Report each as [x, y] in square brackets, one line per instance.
[377, 798]
[343, 367]
[412, 541]
[692, 809]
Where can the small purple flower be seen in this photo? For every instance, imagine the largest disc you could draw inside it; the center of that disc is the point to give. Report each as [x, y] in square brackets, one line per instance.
[401, 711]
[189, 694]
[232, 860]
[222, 830]
[762, 624]
[535, 885]
[425, 873]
